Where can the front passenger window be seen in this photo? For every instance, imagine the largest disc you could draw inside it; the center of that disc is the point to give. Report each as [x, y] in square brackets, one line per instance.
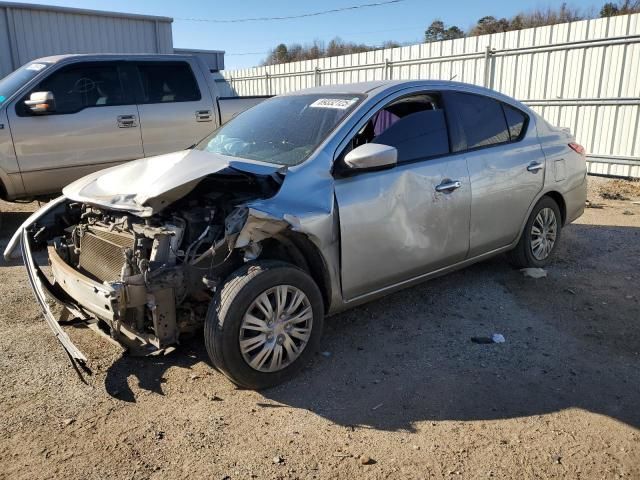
[414, 125]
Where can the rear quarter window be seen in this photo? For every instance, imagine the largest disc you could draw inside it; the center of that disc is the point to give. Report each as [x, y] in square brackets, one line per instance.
[516, 121]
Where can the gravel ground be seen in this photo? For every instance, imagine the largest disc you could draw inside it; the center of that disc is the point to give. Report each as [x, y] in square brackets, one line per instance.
[398, 384]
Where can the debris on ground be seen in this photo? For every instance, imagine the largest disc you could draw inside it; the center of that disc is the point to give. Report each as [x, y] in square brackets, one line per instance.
[534, 272]
[366, 460]
[278, 460]
[569, 290]
[590, 204]
[628, 212]
[495, 338]
[325, 354]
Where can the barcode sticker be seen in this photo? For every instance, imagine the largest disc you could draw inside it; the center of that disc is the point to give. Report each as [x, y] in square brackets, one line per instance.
[339, 103]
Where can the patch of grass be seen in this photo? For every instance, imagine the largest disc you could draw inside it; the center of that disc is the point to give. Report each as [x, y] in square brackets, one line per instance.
[620, 190]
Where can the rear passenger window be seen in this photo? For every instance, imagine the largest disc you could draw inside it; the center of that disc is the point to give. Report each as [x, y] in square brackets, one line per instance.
[515, 120]
[168, 82]
[414, 125]
[482, 120]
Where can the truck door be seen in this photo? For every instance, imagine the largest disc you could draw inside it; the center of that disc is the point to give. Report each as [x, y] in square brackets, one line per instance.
[94, 125]
[176, 110]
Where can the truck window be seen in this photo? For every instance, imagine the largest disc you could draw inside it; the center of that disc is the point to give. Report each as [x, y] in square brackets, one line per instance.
[16, 80]
[166, 82]
[81, 86]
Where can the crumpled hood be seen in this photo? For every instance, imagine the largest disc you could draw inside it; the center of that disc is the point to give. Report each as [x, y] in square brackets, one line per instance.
[143, 187]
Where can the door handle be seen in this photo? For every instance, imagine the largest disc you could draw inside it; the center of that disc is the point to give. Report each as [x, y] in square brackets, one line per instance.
[127, 121]
[535, 166]
[448, 186]
[203, 116]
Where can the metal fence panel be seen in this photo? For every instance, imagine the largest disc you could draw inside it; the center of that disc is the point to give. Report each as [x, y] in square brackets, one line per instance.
[582, 75]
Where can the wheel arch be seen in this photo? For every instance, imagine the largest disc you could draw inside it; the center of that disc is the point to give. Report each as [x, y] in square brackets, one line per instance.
[560, 201]
[296, 248]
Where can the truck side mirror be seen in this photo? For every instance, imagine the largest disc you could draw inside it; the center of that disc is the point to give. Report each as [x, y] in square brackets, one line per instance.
[41, 103]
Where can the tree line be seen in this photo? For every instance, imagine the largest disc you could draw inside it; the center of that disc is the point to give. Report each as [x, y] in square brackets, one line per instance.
[438, 30]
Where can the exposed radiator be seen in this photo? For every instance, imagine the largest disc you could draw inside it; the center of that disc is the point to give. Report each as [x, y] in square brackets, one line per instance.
[102, 253]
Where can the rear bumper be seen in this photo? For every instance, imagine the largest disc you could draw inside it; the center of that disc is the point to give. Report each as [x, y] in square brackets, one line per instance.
[575, 200]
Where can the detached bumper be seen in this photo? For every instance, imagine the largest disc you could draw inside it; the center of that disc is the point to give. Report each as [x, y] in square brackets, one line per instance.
[43, 288]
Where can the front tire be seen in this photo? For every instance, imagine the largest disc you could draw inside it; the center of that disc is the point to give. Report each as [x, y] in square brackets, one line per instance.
[264, 323]
[540, 236]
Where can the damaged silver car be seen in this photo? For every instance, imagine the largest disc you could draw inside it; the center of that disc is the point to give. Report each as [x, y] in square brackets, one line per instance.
[303, 206]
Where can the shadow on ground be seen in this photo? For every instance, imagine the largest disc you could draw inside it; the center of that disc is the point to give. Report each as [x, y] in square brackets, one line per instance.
[571, 342]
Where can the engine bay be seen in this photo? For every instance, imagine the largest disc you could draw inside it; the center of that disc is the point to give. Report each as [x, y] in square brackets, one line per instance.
[161, 270]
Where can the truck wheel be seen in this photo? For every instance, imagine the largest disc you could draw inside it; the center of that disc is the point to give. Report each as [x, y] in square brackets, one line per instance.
[540, 236]
[264, 323]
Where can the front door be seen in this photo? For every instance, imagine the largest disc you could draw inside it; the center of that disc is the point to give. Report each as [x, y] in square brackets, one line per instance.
[175, 111]
[401, 223]
[94, 125]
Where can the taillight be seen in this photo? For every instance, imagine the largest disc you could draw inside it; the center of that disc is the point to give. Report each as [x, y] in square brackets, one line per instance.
[576, 147]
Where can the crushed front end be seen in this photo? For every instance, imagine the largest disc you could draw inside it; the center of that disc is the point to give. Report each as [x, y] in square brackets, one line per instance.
[145, 281]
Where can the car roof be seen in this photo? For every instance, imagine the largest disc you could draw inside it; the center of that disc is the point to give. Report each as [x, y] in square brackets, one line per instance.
[109, 56]
[381, 86]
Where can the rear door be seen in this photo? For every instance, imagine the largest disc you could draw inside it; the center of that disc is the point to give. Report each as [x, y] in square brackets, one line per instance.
[176, 108]
[400, 223]
[506, 166]
[95, 125]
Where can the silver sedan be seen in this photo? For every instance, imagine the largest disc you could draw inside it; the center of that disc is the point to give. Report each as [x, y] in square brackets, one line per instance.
[303, 206]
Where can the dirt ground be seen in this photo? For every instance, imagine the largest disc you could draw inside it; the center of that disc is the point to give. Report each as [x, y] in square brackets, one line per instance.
[398, 381]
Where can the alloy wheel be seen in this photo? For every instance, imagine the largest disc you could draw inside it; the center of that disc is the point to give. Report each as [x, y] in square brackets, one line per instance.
[543, 233]
[276, 328]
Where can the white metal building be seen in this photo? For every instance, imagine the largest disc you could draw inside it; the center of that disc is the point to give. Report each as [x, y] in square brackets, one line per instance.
[30, 31]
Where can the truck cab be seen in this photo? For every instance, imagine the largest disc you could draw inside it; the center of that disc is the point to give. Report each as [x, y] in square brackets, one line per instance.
[64, 117]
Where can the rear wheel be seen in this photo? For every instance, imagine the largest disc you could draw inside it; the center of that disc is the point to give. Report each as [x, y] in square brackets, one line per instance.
[264, 323]
[540, 236]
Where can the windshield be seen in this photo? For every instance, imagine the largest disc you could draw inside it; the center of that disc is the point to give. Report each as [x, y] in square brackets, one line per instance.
[282, 130]
[16, 80]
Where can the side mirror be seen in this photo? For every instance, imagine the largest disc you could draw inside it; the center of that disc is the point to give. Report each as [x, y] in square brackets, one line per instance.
[371, 156]
[41, 103]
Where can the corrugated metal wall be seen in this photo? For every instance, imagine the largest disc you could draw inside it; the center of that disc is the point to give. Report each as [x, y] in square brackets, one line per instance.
[32, 31]
[583, 75]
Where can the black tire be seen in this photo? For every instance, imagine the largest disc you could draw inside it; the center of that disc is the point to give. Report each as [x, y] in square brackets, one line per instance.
[522, 256]
[228, 307]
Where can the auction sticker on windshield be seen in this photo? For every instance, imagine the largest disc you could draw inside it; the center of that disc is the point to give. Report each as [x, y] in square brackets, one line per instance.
[339, 103]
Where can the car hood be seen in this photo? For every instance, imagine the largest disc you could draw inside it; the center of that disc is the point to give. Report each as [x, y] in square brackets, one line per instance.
[144, 187]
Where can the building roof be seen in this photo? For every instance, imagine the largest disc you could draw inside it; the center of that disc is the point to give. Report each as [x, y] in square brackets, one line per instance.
[82, 11]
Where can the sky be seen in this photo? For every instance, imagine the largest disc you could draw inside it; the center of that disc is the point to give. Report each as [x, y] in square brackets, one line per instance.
[246, 44]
